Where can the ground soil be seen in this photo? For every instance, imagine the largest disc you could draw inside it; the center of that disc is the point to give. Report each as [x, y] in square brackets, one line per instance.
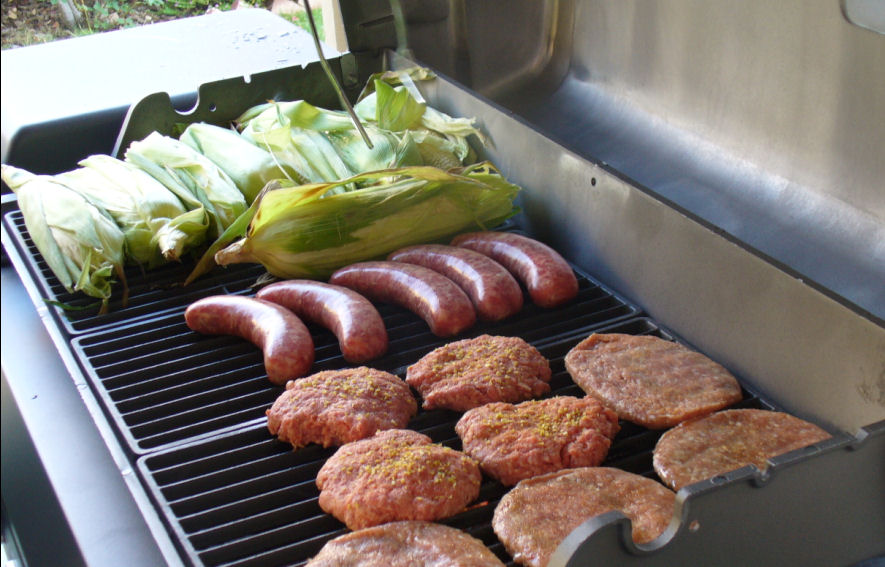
[25, 22]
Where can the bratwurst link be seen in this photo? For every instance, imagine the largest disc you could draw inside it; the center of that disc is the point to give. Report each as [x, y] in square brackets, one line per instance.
[432, 296]
[549, 278]
[351, 317]
[492, 289]
[283, 338]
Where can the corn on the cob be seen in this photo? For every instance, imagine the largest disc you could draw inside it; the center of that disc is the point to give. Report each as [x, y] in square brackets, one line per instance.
[79, 240]
[309, 231]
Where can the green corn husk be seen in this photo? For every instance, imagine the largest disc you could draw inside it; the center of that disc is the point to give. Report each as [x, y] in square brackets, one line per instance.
[307, 232]
[157, 226]
[248, 166]
[322, 145]
[193, 177]
[80, 242]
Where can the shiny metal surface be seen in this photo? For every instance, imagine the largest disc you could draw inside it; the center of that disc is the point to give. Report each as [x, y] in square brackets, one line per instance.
[869, 14]
[805, 350]
[765, 119]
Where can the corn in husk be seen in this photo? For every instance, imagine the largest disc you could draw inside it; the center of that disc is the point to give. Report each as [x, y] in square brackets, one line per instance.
[79, 240]
[320, 145]
[324, 145]
[310, 230]
[157, 226]
[441, 139]
[193, 177]
[248, 166]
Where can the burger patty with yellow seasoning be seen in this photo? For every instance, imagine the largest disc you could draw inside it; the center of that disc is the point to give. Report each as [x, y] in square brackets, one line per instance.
[333, 407]
[515, 442]
[397, 474]
[469, 373]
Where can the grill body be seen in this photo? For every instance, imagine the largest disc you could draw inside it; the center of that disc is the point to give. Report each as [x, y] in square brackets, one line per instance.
[176, 457]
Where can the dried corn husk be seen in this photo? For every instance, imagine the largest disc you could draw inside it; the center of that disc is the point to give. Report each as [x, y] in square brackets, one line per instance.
[310, 231]
[79, 240]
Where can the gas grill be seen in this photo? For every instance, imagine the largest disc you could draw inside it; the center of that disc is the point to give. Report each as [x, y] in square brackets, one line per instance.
[675, 230]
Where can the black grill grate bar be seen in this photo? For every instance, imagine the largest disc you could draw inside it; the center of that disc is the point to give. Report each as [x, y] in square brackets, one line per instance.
[239, 356]
[121, 349]
[189, 381]
[221, 410]
[212, 426]
[245, 547]
[183, 395]
[241, 485]
[279, 555]
[211, 518]
[170, 467]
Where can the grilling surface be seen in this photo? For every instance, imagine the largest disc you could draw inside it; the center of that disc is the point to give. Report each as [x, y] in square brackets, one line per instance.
[189, 408]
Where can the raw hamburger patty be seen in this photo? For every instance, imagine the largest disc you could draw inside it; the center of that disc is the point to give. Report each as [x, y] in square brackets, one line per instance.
[406, 544]
[724, 441]
[532, 519]
[650, 381]
[472, 372]
[398, 474]
[334, 407]
[515, 442]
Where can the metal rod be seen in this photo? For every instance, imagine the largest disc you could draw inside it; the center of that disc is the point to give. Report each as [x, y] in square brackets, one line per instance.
[338, 90]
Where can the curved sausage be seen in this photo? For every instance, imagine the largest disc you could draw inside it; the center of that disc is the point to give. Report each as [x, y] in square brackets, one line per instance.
[350, 316]
[548, 277]
[432, 296]
[491, 288]
[279, 333]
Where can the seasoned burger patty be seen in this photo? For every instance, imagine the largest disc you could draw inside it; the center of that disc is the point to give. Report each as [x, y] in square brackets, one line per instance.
[724, 441]
[532, 519]
[406, 544]
[396, 475]
[334, 407]
[471, 372]
[515, 442]
[650, 381]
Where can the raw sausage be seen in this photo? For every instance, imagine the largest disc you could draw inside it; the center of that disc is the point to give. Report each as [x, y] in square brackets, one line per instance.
[283, 338]
[350, 316]
[493, 291]
[548, 277]
[432, 296]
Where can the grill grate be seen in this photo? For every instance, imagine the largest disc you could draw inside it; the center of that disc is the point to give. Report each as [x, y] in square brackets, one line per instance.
[245, 499]
[163, 383]
[190, 407]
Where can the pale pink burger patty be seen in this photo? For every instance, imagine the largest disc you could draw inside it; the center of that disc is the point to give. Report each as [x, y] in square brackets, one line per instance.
[471, 372]
[650, 381]
[334, 407]
[397, 474]
[515, 442]
[728, 440]
[539, 513]
[406, 544]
